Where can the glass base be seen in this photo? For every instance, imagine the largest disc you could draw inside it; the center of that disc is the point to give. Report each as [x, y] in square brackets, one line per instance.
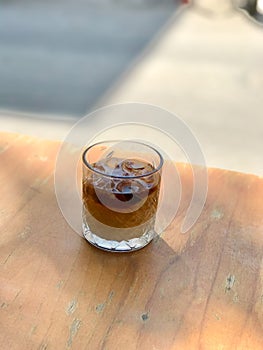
[118, 246]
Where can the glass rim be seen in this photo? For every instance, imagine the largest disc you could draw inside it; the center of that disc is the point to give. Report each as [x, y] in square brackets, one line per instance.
[87, 164]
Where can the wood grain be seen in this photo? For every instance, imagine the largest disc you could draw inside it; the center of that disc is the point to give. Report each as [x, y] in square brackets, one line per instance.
[200, 290]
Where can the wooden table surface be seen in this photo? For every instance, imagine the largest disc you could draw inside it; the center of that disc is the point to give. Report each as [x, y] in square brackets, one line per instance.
[200, 290]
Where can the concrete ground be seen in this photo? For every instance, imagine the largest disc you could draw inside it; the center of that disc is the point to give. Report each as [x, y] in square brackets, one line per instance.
[206, 67]
[58, 57]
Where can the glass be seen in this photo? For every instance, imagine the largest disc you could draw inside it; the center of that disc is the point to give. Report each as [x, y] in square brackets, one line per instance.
[120, 191]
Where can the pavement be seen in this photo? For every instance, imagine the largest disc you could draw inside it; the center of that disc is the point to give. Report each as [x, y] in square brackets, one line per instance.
[205, 66]
[58, 57]
[207, 69]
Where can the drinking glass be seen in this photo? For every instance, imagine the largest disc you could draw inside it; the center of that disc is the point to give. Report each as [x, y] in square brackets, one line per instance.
[120, 190]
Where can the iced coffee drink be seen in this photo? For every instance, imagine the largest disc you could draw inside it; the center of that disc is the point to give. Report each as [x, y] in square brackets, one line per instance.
[121, 185]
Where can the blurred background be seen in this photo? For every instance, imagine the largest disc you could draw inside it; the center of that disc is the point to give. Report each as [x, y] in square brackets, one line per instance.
[201, 60]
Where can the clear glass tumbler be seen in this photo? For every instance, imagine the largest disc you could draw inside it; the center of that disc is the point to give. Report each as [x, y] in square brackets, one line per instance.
[120, 191]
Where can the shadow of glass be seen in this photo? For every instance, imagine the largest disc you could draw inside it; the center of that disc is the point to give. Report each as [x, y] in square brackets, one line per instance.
[133, 294]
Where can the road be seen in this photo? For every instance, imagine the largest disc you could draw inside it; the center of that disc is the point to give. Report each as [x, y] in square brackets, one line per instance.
[58, 57]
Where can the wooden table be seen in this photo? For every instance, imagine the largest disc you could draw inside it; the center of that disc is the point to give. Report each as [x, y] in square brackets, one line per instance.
[201, 290]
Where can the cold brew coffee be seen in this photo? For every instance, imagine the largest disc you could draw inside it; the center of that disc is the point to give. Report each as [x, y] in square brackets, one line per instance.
[120, 195]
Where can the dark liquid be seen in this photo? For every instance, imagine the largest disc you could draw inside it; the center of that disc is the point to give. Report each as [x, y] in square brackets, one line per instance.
[121, 202]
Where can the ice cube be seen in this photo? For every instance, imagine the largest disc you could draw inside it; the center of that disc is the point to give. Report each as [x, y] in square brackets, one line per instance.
[124, 186]
[98, 166]
[98, 182]
[136, 167]
[110, 164]
[130, 186]
[109, 155]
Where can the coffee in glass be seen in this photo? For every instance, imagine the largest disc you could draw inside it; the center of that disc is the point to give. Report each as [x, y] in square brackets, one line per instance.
[120, 191]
